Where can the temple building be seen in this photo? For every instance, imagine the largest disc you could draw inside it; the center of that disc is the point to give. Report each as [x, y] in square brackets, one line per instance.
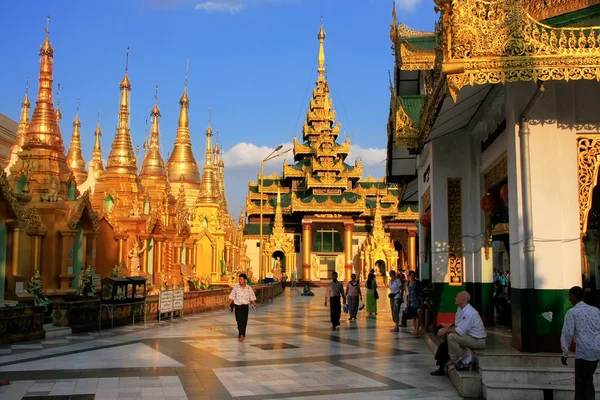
[161, 221]
[495, 116]
[320, 215]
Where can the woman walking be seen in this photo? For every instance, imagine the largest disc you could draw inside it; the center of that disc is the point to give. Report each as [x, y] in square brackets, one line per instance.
[353, 294]
[372, 294]
[240, 297]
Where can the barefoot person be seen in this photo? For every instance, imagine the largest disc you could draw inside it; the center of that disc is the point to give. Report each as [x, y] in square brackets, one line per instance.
[335, 290]
[467, 332]
[241, 296]
[582, 323]
[354, 295]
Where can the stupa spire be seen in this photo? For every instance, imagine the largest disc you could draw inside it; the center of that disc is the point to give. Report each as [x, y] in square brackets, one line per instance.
[122, 158]
[96, 162]
[182, 162]
[57, 111]
[24, 120]
[43, 130]
[153, 166]
[75, 159]
[321, 37]
[207, 186]
[278, 228]
[209, 133]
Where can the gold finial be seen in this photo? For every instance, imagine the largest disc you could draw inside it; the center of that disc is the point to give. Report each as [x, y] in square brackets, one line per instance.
[156, 95]
[187, 69]
[125, 83]
[46, 47]
[57, 112]
[209, 129]
[321, 37]
[47, 28]
[394, 19]
[27, 86]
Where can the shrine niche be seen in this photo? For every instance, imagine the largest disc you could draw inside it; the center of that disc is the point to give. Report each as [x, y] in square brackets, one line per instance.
[378, 251]
[278, 249]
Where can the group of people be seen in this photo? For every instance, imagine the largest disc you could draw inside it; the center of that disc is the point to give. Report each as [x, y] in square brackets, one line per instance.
[581, 327]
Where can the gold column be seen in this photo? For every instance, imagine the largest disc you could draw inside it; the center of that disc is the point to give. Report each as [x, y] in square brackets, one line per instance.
[145, 258]
[120, 258]
[67, 257]
[412, 250]
[401, 257]
[37, 243]
[227, 254]
[362, 265]
[348, 228]
[306, 250]
[15, 274]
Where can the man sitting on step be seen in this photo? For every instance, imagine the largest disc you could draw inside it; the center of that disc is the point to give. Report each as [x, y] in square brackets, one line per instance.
[467, 332]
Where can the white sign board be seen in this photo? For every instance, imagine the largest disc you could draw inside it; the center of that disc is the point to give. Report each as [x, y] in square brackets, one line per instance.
[96, 280]
[177, 300]
[165, 302]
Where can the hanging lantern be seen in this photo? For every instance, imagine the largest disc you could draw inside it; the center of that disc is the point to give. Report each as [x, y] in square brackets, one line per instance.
[504, 192]
[488, 203]
[425, 220]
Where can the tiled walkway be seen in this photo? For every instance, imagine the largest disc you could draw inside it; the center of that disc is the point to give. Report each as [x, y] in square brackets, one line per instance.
[290, 353]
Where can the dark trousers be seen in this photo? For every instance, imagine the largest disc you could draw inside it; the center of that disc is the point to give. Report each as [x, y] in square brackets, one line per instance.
[241, 316]
[441, 356]
[584, 379]
[335, 308]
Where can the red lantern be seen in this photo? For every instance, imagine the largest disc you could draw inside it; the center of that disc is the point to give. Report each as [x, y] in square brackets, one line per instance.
[425, 220]
[504, 192]
[488, 203]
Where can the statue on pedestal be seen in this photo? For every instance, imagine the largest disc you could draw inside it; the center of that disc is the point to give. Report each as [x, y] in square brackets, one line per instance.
[35, 289]
[134, 259]
[86, 282]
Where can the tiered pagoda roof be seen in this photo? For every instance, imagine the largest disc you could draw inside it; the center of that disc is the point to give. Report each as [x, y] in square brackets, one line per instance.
[320, 180]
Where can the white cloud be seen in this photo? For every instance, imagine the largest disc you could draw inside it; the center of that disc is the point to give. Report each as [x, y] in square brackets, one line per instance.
[245, 155]
[233, 6]
[408, 4]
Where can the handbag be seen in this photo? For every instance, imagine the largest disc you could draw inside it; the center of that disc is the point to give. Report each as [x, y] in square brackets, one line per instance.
[392, 295]
[376, 294]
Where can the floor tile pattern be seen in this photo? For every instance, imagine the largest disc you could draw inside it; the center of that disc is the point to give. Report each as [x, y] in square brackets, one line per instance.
[289, 353]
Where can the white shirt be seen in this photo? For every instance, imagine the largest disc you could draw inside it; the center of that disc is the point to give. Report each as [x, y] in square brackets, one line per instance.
[396, 287]
[242, 296]
[468, 322]
[583, 323]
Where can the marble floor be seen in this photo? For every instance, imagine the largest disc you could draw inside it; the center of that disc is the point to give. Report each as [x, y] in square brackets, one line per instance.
[290, 353]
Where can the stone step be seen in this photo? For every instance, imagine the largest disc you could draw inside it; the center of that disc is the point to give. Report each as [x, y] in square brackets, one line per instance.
[519, 360]
[531, 375]
[56, 331]
[523, 391]
[466, 383]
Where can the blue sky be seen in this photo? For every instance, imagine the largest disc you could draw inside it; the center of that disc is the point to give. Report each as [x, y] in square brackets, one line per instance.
[252, 61]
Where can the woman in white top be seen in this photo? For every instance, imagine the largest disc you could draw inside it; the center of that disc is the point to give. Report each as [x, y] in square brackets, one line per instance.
[395, 299]
[241, 295]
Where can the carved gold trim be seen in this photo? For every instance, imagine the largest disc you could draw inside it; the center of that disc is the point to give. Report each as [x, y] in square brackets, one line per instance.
[497, 173]
[455, 263]
[588, 160]
[543, 9]
[414, 58]
[497, 41]
[426, 199]
[406, 132]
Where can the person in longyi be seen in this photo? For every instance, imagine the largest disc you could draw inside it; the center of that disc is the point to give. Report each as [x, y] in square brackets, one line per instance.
[240, 297]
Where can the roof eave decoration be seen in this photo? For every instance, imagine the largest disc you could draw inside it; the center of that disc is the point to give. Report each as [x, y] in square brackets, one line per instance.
[489, 42]
[406, 132]
[414, 58]
[543, 9]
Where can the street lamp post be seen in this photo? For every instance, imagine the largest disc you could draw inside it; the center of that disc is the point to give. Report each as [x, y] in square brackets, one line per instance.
[274, 154]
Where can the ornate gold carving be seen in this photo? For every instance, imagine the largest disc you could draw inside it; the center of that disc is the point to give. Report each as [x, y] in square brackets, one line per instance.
[496, 174]
[588, 158]
[498, 41]
[455, 269]
[414, 58]
[84, 204]
[407, 134]
[405, 31]
[543, 9]
[29, 216]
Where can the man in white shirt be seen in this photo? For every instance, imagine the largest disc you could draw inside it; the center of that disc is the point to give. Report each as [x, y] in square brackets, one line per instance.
[467, 332]
[582, 322]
